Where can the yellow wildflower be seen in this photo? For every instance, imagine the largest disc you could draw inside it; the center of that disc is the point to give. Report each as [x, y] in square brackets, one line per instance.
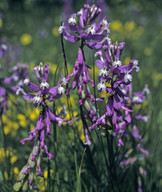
[126, 60]
[21, 117]
[26, 39]
[81, 131]
[55, 31]
[32, 127]
[34, 115]
[158, 76]
[46, 173]
[15, 125]
[116, 25]
[42, 185]
[16, 170]
[129, 26]
[22, 120]
[52, 67]
[13, 159]
[7, 130]
[23, 123]
[1, 23]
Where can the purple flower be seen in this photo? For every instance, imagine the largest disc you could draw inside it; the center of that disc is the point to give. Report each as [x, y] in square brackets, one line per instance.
[3, 100]
[143, 150]
[19, 72]
[43, 93]
[3, 49]
[82, 27]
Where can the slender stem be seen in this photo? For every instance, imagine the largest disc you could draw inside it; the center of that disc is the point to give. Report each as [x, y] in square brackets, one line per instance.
[66, 74]
[113, 174]
[82, 160]
[88, 151]
[64, 55]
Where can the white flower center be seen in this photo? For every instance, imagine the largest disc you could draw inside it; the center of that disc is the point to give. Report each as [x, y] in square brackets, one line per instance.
[98, 53]
[64, 81]
[91, 30]
[136, 99]
[92, 7]
[103, 72]
[61, 90]
[80, 12]
[18, 91]
[108, 39]
[145, 118]
[61, 29]
[146, 89]
[72, 21]
[117, 63]
[15, 78]
[104, 22]
[135, 62]
[127, 77]
[26, 81]
[1, 99]
[101, 86]
[37, 99]
[123, 91]
[4, 47]
[44, 84]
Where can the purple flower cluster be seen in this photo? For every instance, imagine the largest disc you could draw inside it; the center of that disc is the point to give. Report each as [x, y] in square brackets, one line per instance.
[80, 81]
[3, 99]
[19, 72]
[81, 26]
[137, 98]
[42, 93]
[114, 77]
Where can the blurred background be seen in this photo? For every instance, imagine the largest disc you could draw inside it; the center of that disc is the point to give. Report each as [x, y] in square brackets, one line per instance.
[29, 28]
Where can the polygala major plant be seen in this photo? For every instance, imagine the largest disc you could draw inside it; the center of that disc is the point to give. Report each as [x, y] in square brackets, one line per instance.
[117, 119]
